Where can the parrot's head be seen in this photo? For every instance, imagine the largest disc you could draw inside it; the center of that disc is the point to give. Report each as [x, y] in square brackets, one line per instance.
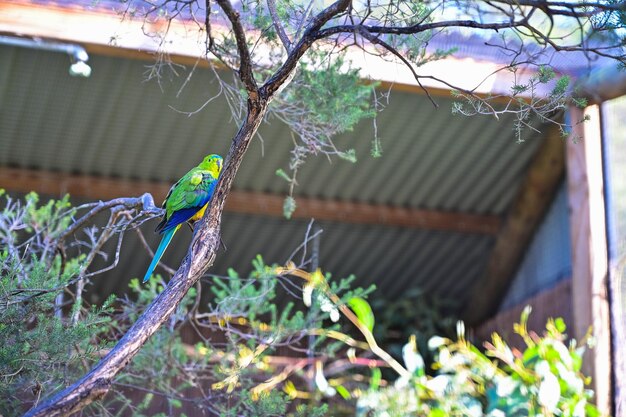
[212, 163]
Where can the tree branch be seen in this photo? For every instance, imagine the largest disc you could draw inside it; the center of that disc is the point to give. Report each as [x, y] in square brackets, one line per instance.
[245, 60]
[200, 257]
[310, 35]
[98, 381]
[271, 5]
[573, 9]
[420, 27]
[146, 202]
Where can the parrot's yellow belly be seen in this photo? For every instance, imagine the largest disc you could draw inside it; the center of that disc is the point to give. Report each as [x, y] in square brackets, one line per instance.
[199, 214]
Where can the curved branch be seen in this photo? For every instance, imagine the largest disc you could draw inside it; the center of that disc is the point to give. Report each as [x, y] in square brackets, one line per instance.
[205, 243]
[245, 60]
[200, 257]
[146, 202]
[310, 35]
[97, 382]
[573, 9]
[420, 27]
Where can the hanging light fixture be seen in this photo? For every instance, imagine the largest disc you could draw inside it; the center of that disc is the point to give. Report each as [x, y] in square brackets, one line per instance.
[78, 55]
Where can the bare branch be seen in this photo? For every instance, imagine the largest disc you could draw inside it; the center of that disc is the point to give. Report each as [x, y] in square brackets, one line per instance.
[420, 27]
[271, 5]
[375, 40]
[200, 257]
[245, 60]
[80, 284]
[146, 202]
[573, 9]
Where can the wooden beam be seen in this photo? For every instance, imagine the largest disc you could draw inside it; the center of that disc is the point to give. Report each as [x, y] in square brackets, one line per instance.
[585, 185]
[100, 188]
[528, 209]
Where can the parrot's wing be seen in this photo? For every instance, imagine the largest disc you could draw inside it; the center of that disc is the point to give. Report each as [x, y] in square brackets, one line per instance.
[186, 198]
[169, 193]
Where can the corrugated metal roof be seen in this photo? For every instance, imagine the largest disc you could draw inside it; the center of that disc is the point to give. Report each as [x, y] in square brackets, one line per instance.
[132, 132]
[116, 124]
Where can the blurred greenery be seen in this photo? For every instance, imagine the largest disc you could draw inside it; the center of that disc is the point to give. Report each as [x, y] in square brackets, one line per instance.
[249, 352]
[542, 380]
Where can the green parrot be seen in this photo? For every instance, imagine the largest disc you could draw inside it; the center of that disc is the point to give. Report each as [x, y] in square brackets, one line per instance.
[186, 201]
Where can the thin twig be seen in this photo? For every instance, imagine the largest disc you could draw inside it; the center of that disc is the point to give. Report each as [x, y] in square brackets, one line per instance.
[280, 30]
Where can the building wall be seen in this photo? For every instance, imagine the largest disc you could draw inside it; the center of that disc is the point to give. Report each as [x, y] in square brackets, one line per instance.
[548, 261]
[542, 281]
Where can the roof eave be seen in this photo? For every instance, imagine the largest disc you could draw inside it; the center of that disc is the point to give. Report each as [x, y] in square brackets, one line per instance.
[105, 32]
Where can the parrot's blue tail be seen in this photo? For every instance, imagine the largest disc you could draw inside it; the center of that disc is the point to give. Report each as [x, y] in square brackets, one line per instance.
[165, 241]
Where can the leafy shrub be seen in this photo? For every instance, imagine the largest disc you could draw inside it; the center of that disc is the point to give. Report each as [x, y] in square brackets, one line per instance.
[543, 380]
[245, 350]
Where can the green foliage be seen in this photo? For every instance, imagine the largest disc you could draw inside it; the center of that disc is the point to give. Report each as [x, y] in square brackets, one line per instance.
[222, 355]
[289, 206]
[532, 101]
[47, 341]
[326, 98]
[543, 379]
[363, 311]
[272, 403]
[40, 351]
[245, 309]
[282, 174]
[334, 95]
[415, 314]
[311, 410]
[349, 155]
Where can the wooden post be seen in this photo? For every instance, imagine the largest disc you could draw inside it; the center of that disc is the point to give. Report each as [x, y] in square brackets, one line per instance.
[589, 248]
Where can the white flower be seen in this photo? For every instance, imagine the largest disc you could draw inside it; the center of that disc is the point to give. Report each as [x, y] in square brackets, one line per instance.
[327, 306]
[435, 342]
[460, 329]
[474, 410]
[444, 357]
[401, 382]
[438, 384]
[321, 382]
[549, 391]
[307, 292]
[542, 368]
[505, 386]
[412, 359]
[579, 410]
[564, 353]
[572, 380]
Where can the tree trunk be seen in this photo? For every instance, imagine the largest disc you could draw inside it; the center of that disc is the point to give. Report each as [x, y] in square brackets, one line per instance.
[200, 257]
